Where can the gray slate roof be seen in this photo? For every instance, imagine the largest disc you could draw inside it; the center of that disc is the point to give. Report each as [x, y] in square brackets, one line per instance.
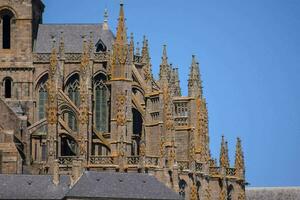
[72, 34]
[280, 193]
[105, 185]
[32, 187]
[91, 185]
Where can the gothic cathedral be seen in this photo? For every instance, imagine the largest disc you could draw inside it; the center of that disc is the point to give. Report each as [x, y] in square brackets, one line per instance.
[80, 96]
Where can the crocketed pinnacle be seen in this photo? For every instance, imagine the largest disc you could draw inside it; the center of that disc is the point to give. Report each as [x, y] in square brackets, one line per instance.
[195, 85]
[239, 164]
[121, 30]
[224, 160]
[164, 73]
[131, 46]
[121, 53]
[145, 51]
[164, 56]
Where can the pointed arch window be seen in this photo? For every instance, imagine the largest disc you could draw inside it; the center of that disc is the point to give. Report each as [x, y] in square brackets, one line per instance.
[100, 108]
[43, 97]
[74, 95]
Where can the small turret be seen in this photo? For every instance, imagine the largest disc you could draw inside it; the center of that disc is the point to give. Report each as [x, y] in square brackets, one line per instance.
[194, 82]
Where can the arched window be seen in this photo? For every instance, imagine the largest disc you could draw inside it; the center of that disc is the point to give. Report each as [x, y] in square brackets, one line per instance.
[100, 107]
[6, 18]
[43, 96]
[74, 95]
[230, 190]
[182, 185]
[7, 87]
[68, 146]
[137, 127]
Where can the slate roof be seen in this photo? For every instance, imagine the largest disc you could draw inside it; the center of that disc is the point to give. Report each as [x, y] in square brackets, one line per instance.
[273, 193]
[91, 185]
[32, 187]
[105, 185]
[72, 34]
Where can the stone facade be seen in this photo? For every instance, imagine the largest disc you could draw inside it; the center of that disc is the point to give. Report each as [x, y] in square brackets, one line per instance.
[78, 94]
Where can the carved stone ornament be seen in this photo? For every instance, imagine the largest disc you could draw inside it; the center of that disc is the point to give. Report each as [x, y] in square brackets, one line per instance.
[193, 193]
[52, 115]
[82, 146]
[143, 149]
[121, 119]
[84, 115]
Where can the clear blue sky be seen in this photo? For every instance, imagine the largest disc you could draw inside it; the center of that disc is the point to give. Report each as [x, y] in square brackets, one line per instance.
[249, 53]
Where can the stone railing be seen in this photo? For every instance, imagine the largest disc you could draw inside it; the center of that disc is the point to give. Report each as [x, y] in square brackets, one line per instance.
[100, 57]
[137, 59]
[215, 171]
[41, 57]
[66, 160]
[73, 57]
[151, 161]
[199, 167]
[102, 160]
[133, 160]
[183, 165]
[230, 172]
[69, 57]
[181, 121]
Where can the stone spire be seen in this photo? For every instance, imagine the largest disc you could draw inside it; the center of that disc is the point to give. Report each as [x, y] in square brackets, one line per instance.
[194, 82]
[239, 164]
[121, 54]
[224, 160]
[105, 21]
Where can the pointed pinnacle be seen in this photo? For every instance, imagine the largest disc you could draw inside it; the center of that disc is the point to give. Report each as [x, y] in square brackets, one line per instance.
[121, 37]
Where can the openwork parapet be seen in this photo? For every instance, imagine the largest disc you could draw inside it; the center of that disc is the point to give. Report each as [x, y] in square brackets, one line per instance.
[65, 160]
[133, 160]
[199, 167]
[183, 165]
[215, 171]
[152, 161]
[102, 160]
[230, 172]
